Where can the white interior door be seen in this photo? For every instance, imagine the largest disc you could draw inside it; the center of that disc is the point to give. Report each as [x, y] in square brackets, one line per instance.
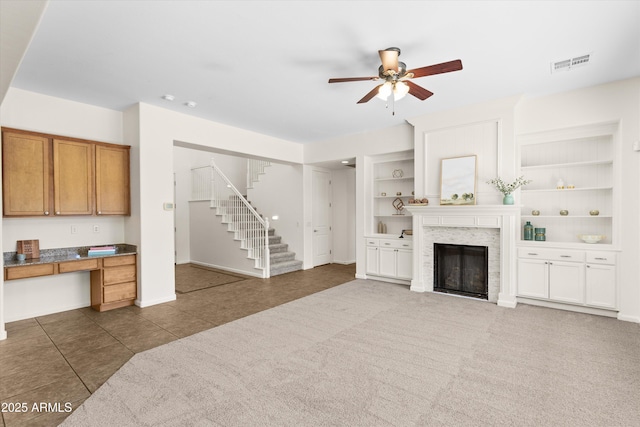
[322, 242]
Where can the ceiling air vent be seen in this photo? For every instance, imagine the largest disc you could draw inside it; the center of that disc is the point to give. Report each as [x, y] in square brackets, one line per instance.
[568, 64]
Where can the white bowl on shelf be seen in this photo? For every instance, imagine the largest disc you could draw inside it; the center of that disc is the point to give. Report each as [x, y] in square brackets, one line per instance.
[591, 238]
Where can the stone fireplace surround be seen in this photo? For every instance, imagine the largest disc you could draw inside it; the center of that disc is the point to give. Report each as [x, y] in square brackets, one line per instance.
[494, 226]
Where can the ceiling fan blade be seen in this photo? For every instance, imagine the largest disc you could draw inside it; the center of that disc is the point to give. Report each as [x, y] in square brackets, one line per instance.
[418, 91]
[445, 67]
[352, 79]
[370, 95]
[389, 59]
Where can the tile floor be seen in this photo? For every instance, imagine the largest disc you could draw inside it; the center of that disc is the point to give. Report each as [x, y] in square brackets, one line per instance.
[62, 358]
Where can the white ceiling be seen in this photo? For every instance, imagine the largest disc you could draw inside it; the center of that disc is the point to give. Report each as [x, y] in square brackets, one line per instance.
[264, 65]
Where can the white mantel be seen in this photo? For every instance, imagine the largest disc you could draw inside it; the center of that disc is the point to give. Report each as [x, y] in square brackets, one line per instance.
[501, 217]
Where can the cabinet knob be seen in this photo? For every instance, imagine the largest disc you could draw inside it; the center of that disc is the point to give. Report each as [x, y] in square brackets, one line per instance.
[46, 212]
[100, 213]
[58, 213]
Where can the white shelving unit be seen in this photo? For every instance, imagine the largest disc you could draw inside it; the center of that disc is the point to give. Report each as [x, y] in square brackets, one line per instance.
[563, 270]
[585, 165]
[392, 179]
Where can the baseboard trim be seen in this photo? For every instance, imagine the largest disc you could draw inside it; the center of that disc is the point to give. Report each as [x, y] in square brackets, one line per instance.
[230, 270]
[625, 318]
[149, 303]
[568, 307]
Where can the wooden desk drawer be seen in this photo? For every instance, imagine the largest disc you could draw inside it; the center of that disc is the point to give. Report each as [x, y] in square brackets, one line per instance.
[120, 274]
[119, 260]
[29, 271]
[119, 292]
[85, 264]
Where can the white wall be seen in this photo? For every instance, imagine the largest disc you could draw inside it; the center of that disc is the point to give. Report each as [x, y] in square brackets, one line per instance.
[184, 159]
[159, 131]
[33, 297]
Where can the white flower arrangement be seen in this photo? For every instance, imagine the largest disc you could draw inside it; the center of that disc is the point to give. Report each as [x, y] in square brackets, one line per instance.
[507, 189]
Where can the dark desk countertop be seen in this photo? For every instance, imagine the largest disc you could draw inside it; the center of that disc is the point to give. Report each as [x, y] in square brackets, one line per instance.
[48, 256]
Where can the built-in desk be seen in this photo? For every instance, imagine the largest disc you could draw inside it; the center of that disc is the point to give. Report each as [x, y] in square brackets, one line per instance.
[113, 277]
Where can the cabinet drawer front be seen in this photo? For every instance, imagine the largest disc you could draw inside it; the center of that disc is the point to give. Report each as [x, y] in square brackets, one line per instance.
[123, 273]
[534, 253]
[29, 271]
[87, 264]
[122, 291]
[601, 258]
[551, 254]
[402, 244]
[562, 255]
[372, 242]
[119, 260]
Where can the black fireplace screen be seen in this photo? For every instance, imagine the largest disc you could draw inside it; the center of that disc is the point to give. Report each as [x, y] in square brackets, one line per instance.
[461, 269]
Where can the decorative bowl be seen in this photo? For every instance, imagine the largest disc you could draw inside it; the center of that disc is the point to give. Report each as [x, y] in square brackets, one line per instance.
[591, 238]
[535, 212]
[594, 212]
[564, 212]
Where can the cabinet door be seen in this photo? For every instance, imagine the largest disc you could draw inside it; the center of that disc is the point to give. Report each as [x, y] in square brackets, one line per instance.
[72, 177]
[601, 285]
[404, 264]
[533, 278]
[372, 260]
[387, 262]
[112, 180]
[566, 282]
[25, 175]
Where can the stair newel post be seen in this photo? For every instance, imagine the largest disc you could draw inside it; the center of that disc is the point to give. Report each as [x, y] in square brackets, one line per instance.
[267, 255]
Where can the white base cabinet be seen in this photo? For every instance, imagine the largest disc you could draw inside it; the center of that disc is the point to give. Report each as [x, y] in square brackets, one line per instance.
[568, 276]
[600, 281]
[391, 258]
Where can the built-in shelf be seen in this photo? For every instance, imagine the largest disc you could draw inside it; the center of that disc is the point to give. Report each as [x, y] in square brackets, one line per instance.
[385, 179]
[566, 190]
[583, 158]
[566, 165]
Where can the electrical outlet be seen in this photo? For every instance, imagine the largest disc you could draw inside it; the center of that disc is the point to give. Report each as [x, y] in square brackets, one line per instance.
[74, 229]
[96, 228]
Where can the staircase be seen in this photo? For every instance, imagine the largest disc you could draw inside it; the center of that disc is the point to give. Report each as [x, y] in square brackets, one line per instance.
[249, 227]
[281, 260]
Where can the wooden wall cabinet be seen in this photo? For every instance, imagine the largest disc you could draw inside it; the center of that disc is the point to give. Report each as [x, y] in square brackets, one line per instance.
[26, 170]
[46, 175]
[112, 180]
[72, 177]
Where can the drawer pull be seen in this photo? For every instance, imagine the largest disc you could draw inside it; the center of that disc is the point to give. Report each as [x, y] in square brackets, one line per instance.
[565, 256]
[405, 246]
[532, 253]
[601, 259]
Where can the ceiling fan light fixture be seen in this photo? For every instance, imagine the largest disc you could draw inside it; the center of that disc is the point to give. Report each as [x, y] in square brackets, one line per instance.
[400, 89]
[384, 91]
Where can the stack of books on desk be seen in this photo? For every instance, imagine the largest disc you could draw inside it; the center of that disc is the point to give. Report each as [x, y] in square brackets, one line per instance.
[102, 250]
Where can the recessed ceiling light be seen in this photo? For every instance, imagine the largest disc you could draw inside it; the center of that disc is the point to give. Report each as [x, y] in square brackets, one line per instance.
[191, 104]
[168, 97]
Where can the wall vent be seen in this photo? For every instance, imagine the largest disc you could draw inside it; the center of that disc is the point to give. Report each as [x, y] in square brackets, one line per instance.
[569, 64]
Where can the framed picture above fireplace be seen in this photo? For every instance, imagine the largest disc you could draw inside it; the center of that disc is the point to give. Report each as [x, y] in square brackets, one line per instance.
[458, 181]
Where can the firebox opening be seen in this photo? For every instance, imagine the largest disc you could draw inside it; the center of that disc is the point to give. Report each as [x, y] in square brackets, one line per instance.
[461, 270]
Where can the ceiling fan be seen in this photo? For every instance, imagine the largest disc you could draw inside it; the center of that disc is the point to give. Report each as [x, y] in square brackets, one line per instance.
[397, 78]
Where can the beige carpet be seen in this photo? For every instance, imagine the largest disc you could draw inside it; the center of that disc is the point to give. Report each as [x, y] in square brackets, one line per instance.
[368, 353]
[192, 277]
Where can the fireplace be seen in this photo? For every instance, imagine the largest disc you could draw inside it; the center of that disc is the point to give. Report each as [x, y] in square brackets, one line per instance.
[493, 226]
[461, 270]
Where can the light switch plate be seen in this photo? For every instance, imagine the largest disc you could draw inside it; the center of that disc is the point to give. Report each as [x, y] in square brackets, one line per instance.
[168, 206]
